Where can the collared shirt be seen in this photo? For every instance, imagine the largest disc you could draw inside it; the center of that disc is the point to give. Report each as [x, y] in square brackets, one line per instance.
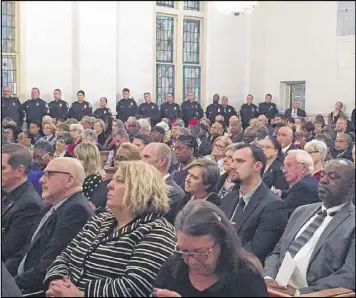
[286, 148]
[60, 154]
[299, 277]
[247, 197]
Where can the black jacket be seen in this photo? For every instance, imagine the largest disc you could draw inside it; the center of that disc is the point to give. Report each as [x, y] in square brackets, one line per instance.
[8, 285]
[150, 110]
[19, 212]
[58, 231]
[11, 107]
[248, 112]
[213, 110]
[58, 109]
[80, 109]
[34, 110]
[268, 109]
[170, 110]
[261, 224]
[176, 195]
[102, 113]
[353, 118]
[302, 193]
[274, 176]
[190, 110]
[300, 113]
[102, 138]
[212, 198]
[126, 108]
[228, 111]
[205, 147]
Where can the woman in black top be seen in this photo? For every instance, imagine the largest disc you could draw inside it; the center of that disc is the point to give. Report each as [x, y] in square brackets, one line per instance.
[273, 175]
[225, 184]
[208, 259]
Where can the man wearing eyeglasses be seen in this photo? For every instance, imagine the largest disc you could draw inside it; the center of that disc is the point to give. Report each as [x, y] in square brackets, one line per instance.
[67, 212]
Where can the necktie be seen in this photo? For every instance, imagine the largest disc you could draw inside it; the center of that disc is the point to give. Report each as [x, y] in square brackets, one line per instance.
[239, 209]
[309, 231]
[21, 268]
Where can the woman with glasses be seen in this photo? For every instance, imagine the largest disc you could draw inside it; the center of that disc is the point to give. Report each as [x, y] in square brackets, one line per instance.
[318, 151]
[63, 140]
[209, 260]
[118, 253]
[273, 175]
[49, 130]
[218, 152]
[88, 154]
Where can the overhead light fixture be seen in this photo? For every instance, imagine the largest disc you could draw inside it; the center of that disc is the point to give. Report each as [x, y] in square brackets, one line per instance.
[235, 7]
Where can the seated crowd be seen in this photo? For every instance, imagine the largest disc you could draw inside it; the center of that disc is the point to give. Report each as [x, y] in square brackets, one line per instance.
[166, 202]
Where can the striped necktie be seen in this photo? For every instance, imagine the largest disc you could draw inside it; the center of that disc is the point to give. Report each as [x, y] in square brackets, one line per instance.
[309, 231]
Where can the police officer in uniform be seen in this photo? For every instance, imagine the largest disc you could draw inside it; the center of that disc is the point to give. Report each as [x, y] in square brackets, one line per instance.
[149, 109]
[191, 109]
[170, 109]
[228, 110]
[35, 108]
[103, 112]
[11, 107]
[248, 111]
[126, 107]
[80, 108]
[214, 109]
[58, 108]
[268, 108]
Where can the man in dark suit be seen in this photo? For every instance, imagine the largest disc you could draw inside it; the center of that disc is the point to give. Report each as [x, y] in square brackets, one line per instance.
[160, 156]
[320, 238]
[59, 222]
[285, 137]
[294, 111]
[259, 216]
[21, 203]
[303, 188]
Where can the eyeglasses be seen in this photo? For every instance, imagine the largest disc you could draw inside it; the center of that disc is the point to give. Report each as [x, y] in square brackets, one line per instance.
[311, 152]
[266, 147]
[121, 158]
[47, 173]
[199, 256]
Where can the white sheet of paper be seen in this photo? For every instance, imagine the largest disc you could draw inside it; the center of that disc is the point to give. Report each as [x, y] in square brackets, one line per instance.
[286, 270]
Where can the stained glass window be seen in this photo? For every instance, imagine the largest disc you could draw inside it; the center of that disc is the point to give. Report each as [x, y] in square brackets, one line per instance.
[165, 81]
[8, 74]
[166, 3]
[164, 39]
[8, 26]
[192, 5]
[192, 81]
[191, 41]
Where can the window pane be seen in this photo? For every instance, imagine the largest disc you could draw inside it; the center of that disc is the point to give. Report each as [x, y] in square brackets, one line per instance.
[192, 5]
[164, 81]
[164, 39]
[191, 41]
[192, 81]
[8, 77]
[346, 18]
[166, 3]
[8, 26]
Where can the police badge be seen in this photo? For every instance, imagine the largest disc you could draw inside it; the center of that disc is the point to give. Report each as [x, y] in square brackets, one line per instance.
[60, 105]
[175, 108]
[104, 112]
[37, 104]
[85, 106]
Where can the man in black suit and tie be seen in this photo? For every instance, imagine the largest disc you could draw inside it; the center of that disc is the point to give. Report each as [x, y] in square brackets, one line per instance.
[59, 222]
[259, 216]
[295, 110]
[285, 137]
[20, 203]
[319, 240]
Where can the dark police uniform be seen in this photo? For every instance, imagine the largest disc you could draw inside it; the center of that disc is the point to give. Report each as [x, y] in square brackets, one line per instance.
[126, 108]
[34, 110]
[228, 111]
[150, 110]
[58, 109]
[80, 109]
[191, 110]
[268, 109]
[170, 110]
[213, 110]
[11, 107]
[102, 113]
[248, 112]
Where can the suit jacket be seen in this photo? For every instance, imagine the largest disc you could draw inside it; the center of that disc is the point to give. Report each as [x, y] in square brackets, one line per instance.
[332, 263]
[300, 113]
[19, 212]
[291, 147]
[262, 223]
[302, 193]
[8, 285]
[57, 232]
[274, 176]
[176, 195]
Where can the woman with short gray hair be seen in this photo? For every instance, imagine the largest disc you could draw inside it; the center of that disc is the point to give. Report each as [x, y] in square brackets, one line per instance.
[75, 131]
[318, 151]
[63, 140]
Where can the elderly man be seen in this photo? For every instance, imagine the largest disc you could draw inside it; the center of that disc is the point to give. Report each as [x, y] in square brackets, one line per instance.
[235, 129]
[67, 212]
[319, 238]
[21, 203]
[160, 156]
[263, 120]
[285, 137]
[303, 188]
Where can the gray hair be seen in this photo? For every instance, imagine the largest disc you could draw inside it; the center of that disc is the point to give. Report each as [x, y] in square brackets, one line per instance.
[19, 155]
[210, 172]
[121, 132]
[44, 145]
[77, 127]
[143, 123]
[102, 123]
[65, 136]
[87, 119]
[347, 137]
[184, 131]
[90, 134]
[303, 157]
[319, 146]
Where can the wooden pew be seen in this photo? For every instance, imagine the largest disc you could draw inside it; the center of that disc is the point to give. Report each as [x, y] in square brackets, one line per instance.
[110, 172]
[103, 157]
[336, 292]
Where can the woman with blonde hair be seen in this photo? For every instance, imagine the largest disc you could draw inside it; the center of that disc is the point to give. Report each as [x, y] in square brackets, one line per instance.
[49, 130]
[126, 152]
[119, 252]
[88, 154]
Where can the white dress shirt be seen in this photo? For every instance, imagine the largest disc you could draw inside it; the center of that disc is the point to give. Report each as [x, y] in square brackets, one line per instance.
[286, 148]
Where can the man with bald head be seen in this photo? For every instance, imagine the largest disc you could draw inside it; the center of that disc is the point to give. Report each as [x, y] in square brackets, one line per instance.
[320, 238]
[59, 222]
[160, 156]
[285, 137]
[235, 129]
[11, 107]
[263, 120]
